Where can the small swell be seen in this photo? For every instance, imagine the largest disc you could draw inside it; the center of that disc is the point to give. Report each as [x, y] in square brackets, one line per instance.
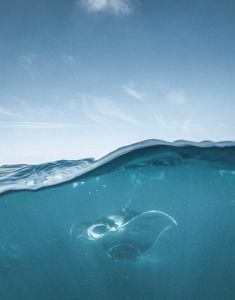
[154, 152]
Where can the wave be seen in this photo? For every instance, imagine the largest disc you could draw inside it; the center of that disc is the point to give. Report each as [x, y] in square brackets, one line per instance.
[148, 152]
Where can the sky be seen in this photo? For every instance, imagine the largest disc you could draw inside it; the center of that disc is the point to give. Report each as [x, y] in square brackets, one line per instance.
[80, 78]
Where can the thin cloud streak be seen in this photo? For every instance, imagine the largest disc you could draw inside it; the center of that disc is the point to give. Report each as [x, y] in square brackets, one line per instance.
[6, 112]
[133, 92]
[99, 109]
[25, 110]
[110, 109]
[186, 125]
[89, 110]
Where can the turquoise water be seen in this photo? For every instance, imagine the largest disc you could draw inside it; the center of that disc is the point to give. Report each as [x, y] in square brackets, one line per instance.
[46, 212]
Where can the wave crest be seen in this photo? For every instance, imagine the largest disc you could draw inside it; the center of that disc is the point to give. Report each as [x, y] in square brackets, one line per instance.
[154, 152]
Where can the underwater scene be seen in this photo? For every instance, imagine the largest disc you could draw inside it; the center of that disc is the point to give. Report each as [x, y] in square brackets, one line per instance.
[149, 221]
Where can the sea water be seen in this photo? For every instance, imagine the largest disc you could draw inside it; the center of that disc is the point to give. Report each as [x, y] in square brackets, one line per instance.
[40, 205]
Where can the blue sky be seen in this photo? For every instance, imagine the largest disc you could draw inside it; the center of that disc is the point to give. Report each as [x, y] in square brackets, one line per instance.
[81, 78]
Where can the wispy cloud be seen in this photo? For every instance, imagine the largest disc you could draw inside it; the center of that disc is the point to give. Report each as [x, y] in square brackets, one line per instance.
[33, 110]
[89, 109]
[131, 91]
[99, 108]
[186, 125]
[187, 128]
[26, 62]
[68, 59]
[110, 109]
[6, 112]
[123, 7]
[23, 106]
[177, 97]
[36, 125]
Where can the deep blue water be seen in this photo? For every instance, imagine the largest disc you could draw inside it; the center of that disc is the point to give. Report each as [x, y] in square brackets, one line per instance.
[42, 258]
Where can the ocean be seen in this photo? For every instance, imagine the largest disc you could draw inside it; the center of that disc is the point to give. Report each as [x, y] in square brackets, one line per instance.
[149, 221]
